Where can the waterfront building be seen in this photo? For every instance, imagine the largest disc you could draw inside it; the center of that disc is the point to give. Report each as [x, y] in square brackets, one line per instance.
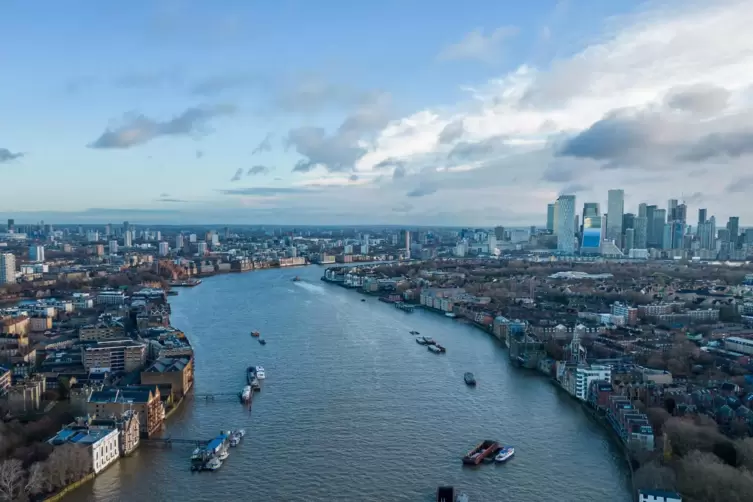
[127, 425]
[615, 211]
[174, 371]
[566, 224]
[585, 375]
[123, 355]
[146, 403]
[7, 268]
[101, 442]
[36, 253]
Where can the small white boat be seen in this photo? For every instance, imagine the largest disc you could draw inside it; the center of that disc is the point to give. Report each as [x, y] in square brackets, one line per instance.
[196, 454]
[246, 393]
[224, 454]
[505, 453]
[462, 497]
[450, 314]
[260, 373]
[234, 441]
[241, 432]
[213, 464]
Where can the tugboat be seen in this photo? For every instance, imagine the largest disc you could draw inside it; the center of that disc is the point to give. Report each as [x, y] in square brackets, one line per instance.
[296, 279]
[255, 334]
[262, 341]
[481, 451]
[246, 394]
[469, 379]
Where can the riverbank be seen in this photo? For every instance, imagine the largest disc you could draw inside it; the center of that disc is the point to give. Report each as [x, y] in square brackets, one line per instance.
[68, 489]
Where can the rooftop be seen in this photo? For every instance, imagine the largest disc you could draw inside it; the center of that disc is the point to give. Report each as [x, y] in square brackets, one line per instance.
[79, 435]
[168, 364]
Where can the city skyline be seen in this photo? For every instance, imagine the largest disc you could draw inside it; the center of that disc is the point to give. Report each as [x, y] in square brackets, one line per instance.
[174, 114]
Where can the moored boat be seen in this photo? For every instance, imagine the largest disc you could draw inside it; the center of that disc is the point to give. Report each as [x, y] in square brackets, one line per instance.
[255, 334]
[260, 372]
[504, 454]
[255, 384]
[224, 454]
[469, 379]
[462, 497]
[435, 348]
[246, 394]
[480, 452]
[425, 340]
[445, 494]
[213, 464]
[250, 374]
[450, 314]
[262, 341]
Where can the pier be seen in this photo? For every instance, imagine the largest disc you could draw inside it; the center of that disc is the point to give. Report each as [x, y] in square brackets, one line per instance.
[168, 441]
[404, 307]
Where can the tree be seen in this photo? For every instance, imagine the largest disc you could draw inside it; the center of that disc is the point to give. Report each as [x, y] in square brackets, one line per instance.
[657, 417]
[11, 479]
[655, 476]
[703, 477]
[37, 481]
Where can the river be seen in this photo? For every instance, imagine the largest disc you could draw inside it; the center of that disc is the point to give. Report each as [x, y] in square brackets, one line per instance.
[354, 410]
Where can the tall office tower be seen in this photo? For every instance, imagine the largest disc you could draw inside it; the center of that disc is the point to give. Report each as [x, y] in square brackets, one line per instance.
[112, 247]
[7, 268]
[701, 216]
[707, 233]
[592, 227]
[650, 237]
[681, 213]
[556, 216]
[127, 238]
[192, 238]
[566, 224]
[227, 233]
[640, 225]
[36, 253]
[629, 239]
[126, 226]
[666, 242]
[733, 225]
[499, 232]
[642, 208]
[108, 230]
[201, 248]
[628, 220]
[615, 210]
[407, 244]
[671, 206]
[164, 248]
[11, 225]
[660, 219]
[179, 241]
[591, 209]
[550, 217]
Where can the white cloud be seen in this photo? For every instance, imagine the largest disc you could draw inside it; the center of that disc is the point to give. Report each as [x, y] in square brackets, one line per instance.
[679, 79]
[477, 46]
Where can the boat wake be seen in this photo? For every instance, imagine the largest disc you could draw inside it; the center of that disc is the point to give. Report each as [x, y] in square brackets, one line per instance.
[314, 288]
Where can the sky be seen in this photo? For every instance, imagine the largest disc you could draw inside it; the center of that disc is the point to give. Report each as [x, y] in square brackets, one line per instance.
[428, 112]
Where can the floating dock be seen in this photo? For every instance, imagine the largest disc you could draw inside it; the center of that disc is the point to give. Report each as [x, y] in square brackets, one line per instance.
[404, 306]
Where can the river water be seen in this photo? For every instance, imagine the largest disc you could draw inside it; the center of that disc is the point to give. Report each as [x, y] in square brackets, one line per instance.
[354, 410]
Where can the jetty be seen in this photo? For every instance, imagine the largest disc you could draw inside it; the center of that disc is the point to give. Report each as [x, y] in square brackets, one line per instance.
[405, 307]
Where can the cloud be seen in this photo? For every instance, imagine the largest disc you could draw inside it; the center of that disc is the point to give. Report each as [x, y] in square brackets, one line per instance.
[258, 169]
[139, 129]
[313, 93]
[574, 188]
[267, 191]
[238, 175]
[212, 86]
[699, 98]
[399, 172]
[740, 185]
[469, 151]
[387, 163]
[353, 177]
[452, 131]
[422, 191]
[477, 46]
[199, 154]
[713, 146]
[169, 199]
[264, 145]
[163, 195]
[7, 156]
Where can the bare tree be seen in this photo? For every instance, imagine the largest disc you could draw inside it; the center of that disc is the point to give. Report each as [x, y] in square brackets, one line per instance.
[37, 481]
[655, 476]
[11, 479]
[703, 477]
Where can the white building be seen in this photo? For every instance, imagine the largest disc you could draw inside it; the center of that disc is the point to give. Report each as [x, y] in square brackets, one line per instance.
[164, 248]
[36, 253]
[7, 268]
[566, 224]
[737, 344]
[658, 496]
[102, 443]
[584, 375]
[128, 239]
[192, 238]
[82, 301]
[179, 241]
[109, 297]
[201, 248]
[113, 247]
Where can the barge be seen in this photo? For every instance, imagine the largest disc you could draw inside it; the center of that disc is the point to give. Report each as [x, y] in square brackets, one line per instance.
[470, 380]
[436, 348]
[425, 340]
[481, 451]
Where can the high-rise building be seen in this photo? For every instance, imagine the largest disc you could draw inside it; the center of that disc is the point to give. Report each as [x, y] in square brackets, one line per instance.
[701, 216]
[671, 206]
[591, 242]
[112, 247]
[192, 238]
[127, 238]
[733, 225]
[615, 210]
[640, 226]
[651, 238]
[201, 248]
[108, 230]
[499, 232]
[7, 268]
[556, 215]
[407, 244]
[11, 225]
[628, 221]
[36, 253]
[666, 242]
[550, 217]
[590, 209]
[164, 248]
[629, 239]
[642, 209]
[566, 224]
[660, 219]
[707, 234]
[179, 241]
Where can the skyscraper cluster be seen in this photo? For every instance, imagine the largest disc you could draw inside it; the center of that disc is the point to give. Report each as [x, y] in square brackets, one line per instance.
[652, 231]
